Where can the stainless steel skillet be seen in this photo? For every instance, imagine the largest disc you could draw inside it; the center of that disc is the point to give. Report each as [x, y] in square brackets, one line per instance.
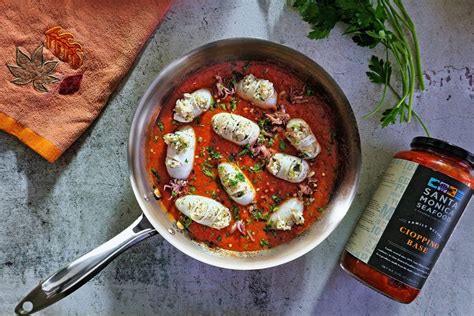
[154, 218]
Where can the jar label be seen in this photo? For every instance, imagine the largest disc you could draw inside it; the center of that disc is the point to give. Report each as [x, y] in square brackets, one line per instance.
[408, 221]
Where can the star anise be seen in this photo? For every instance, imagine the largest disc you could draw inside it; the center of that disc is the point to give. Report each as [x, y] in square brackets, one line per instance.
[33, 69]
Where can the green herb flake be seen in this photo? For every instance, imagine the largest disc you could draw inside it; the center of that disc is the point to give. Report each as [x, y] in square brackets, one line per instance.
[240, 176]
[214, 195]
[282, 145]
[243, 152]
[213, 153]
[236, 212]
[265, 124]
[155, 174]
[197, 121]
[257, 214]
[233, 104]
[160, 125]
[219, 238]
[264, 243]
[212, 107]
[256, 168]
[276, 198]
[186, 221]
[208, 173]
[192, 189]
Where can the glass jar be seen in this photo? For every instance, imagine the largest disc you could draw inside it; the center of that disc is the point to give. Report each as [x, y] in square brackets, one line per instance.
[405, 226]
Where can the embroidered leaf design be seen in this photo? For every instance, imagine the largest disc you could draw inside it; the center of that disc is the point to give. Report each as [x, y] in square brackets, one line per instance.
[33, 69]
[37, 56]
[70, 85]
[22, 59]
[63, 45]
[22, 76]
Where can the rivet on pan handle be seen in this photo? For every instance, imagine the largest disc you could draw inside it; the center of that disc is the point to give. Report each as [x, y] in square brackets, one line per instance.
[74, 275]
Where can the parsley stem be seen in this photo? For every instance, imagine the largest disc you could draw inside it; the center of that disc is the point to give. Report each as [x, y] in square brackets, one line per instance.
[412, 29]
[417, 117]
[384, 93]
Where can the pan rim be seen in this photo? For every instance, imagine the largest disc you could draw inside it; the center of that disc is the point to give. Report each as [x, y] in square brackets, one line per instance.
[144, 201]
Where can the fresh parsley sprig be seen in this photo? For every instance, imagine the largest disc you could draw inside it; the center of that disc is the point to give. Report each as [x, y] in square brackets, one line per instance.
[370, 23]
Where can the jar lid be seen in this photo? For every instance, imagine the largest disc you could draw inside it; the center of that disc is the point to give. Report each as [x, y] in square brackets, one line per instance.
[437, 144]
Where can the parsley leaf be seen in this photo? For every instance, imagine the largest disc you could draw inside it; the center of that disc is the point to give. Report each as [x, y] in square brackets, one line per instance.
[380, 70]
[233, 104]
[160, 125]
[256, 168]
[213, 153]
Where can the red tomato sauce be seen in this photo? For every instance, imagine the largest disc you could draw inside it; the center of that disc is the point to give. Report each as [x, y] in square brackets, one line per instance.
[316, 112]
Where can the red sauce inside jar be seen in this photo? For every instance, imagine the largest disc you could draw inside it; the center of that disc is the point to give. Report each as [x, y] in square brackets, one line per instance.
[438, 156]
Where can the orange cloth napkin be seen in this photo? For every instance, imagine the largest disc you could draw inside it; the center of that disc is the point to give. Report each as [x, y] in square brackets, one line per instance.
[62, 60]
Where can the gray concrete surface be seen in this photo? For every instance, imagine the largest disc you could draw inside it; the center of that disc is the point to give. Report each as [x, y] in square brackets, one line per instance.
[52, 213]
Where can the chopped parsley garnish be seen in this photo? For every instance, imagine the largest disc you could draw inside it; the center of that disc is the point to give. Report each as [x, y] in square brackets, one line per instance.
[206, 169]
[320, 209]
[213, 153]
[265, 124]
[232, 182]
[222, 106]
[212, 107]
[236, 212]
[264, 243]
[215, 195]
[208, 172]
[155, 174]
[258, 214]
[192, 189]
[268, 226]
[282, 145]
[256, 168]
[197, 120]
[276, 198]
[160, 125]
[244, 152]
[186, 221]
[219, 238]
[273, 207]
[240, 176]
[233, 104]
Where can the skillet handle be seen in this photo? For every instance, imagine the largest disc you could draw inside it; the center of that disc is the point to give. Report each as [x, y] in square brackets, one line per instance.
[77, 273]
